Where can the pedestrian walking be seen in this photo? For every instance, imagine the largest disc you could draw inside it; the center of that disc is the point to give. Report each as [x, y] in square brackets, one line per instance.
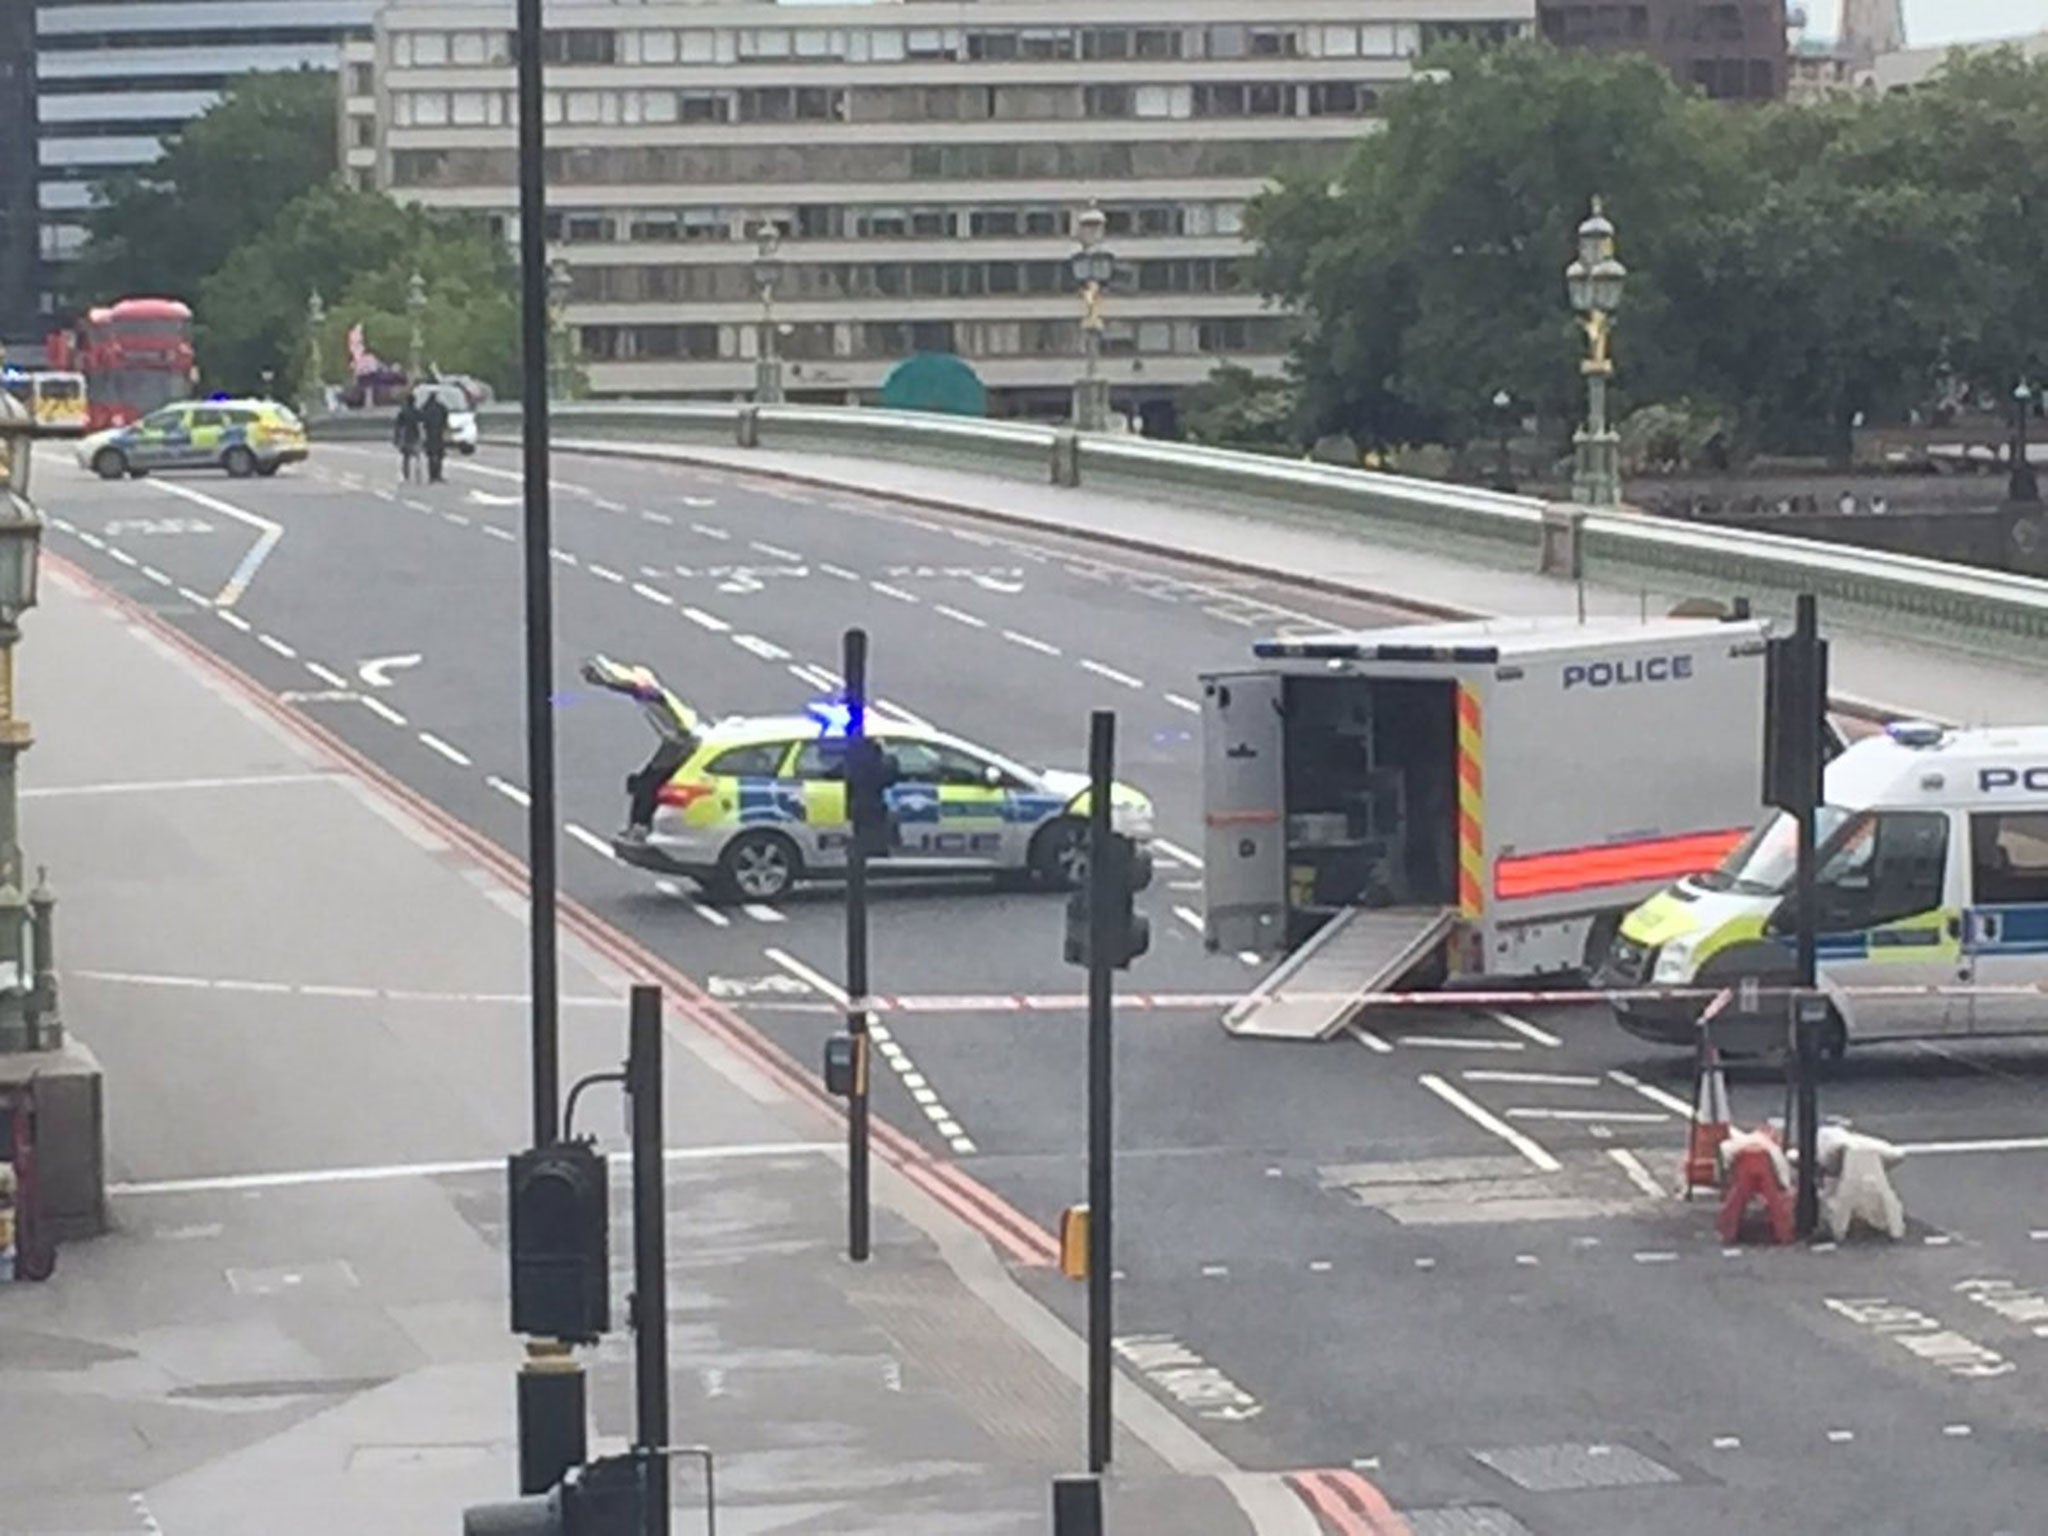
[434, 423]
[406, 435]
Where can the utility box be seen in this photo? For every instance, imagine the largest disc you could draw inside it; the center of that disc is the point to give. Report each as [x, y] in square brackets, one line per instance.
[1465, 800]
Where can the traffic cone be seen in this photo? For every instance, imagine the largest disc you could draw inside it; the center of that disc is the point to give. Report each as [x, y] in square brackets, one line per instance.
[1712, 1121]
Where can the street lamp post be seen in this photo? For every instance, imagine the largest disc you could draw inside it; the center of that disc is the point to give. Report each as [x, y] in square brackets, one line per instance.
[1594, 282]
[28, 973]
[561, 370]
[767, 273]
[316, 327]
[1093, 265]
[2021, 484]
[416, 312]
[1504, 470]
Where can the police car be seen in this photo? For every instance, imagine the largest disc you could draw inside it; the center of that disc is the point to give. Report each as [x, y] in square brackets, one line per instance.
[243, 437]
[758, 803]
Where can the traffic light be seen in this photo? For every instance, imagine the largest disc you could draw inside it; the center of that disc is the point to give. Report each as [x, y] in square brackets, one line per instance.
[868, 776]
[1795, 713]
[560, 1240]
[1126, 871]
[604, 1498]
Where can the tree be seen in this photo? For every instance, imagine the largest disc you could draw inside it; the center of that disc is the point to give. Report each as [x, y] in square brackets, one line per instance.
[1236, 408]
[164, 228]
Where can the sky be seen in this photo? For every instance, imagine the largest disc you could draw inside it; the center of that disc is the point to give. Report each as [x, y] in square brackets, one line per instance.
[1929, 22]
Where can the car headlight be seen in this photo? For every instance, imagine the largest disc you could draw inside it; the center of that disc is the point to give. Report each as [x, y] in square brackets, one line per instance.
[1674, 962]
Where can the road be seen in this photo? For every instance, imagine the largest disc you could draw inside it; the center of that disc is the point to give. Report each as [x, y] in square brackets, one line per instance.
[1427, 1252]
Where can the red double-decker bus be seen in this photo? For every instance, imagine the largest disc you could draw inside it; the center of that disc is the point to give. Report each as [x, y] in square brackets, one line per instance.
[136, 354]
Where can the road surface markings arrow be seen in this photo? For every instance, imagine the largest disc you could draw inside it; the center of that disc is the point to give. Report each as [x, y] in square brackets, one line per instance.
[373, 671]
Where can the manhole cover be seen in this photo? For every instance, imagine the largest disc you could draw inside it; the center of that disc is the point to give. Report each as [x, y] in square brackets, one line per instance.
[1465, 1520]
[1561, 1468]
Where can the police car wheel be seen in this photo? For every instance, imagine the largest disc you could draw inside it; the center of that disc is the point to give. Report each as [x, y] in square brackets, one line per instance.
[759, 866]
[239, 462]
[110, 464]
[1059, 853]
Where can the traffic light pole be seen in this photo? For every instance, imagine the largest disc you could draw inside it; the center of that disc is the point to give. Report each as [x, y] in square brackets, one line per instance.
[1812, 702]
[855, 667]
[650, 1256]
[1103, 941]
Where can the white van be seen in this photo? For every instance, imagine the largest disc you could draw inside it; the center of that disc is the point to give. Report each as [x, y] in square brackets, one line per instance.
[1933, 871]
[461, 410]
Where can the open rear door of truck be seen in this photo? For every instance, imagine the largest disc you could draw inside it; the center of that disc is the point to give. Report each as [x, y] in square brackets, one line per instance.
[1244, 791]
[1360, 951]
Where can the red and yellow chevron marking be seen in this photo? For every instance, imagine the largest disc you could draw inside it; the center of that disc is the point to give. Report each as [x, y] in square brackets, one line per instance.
[1471, 807]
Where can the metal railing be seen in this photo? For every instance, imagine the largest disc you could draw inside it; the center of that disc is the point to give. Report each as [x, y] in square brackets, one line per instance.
[1979, 608]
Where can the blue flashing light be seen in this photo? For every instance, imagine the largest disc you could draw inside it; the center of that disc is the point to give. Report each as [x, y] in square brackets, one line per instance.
[1914, 733]
[834, 716]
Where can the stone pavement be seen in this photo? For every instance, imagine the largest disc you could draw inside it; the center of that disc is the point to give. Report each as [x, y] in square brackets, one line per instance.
[307, 1003]
[1899, 672]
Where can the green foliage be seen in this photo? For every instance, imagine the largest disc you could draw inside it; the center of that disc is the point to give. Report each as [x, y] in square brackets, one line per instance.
[1236, 408]
[161, 229]
[1789, 266]
[1664, 439]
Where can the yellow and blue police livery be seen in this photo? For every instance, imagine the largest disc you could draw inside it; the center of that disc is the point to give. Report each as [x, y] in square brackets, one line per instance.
[243, 437]
[1931, 902]
[756, 804]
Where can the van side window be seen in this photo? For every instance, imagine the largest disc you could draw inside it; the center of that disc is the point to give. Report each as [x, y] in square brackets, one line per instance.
[2008, 858]
[1884, 867]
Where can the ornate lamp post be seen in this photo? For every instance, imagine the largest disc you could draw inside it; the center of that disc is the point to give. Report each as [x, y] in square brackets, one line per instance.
[1594, 282]
[1503, 418]
[2021, 484]
[28, 978]
[767, 273]
[416, 312]
[1094, 265]
[561, 365]
[316, 326]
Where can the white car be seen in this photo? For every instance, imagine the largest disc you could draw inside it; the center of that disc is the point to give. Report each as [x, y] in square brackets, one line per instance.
[461, 412]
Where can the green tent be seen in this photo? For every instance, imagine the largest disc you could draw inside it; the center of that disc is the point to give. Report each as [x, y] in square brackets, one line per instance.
[935, 381]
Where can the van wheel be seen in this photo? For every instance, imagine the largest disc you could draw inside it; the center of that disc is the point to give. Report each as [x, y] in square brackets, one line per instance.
[1600, 940]
[110, 464]
[1834, 1038]
[758, 866]
[239, 462]
[1059, 853]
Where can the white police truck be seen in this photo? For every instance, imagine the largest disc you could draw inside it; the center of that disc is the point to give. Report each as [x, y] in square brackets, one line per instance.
[1450, 802]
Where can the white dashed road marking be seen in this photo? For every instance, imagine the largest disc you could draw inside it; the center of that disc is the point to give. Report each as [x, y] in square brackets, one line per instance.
[272, 643]
[382, 710]
[434, 743]
[704, 620]
[589, 839]
[510, 791]
[896, 592]
[1103, 669]
[1180, 702]
[958, 617]
[653, 594]
[1486, 1120]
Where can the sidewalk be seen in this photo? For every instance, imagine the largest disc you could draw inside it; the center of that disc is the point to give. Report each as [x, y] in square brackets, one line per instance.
[1901, 673]
[306, 999]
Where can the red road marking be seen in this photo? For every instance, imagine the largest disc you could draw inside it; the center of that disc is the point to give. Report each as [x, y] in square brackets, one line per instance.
[980, 1207]
[1347, 1504]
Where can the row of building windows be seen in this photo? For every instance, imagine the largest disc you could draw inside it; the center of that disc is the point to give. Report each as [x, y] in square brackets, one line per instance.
[840, 221]
[784, 164]
[801, 281]
[893, 45]
[888, 339]
[892, 104]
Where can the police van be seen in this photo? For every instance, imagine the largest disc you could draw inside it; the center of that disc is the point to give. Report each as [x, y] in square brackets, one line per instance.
[1932, 872]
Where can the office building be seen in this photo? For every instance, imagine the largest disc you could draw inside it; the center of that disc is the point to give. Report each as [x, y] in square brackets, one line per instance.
[1731, 50]
[114, 78]
[922, 164]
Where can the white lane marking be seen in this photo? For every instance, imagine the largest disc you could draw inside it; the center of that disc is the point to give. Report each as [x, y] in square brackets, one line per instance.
[456, 518]
[1956, 1431]
[159, 786]
[272, 643]
[504, 534]
[654, 594]
[268, 535]
[809, 976]
[382, 710]
[123, 556]
[658, 517]
[908, 717]
[958, 617]
[1993, 1144]
[327, 674]
[1486, 1120]
[1655, 1255]
[1250, 958]
[434, 743]
[1102, 669]
[1727, 1442]
[1638, 1175]
[1592, 1116]
[1031, 642]
[589, 839]
[377, 670]
[1191, 917]
[197, 599]
[91, 540]
[762, 913]
[709, 621]
[233, 1182]
[1524, 1028]
[767, 650]
[1175, 852]
[704, 528]
[563, 555]
[509, 790]
[608, 504]
[1369, 1040]
[840, 571]
[774, 551]
[804, 672]
[1458, 1043]
[1533, 1079]
[1178, 701]
[1841, 1436]
[156, 575]
[711, 915]
[1652, 1092]
[234, 620]
[602, 572]
[896, 592]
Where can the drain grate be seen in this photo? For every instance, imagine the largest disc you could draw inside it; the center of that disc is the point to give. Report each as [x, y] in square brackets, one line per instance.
[1562, 1468]
[1464, 1520]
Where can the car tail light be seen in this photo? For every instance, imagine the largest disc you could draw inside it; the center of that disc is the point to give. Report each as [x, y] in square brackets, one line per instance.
[681, 796]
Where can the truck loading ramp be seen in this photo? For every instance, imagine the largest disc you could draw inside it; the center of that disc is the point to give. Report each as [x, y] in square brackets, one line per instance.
[1315, 990]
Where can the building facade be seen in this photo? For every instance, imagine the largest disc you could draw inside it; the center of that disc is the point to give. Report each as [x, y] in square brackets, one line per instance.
[18, 239]
[1731, 50]
[923, 166]
[114, 76]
